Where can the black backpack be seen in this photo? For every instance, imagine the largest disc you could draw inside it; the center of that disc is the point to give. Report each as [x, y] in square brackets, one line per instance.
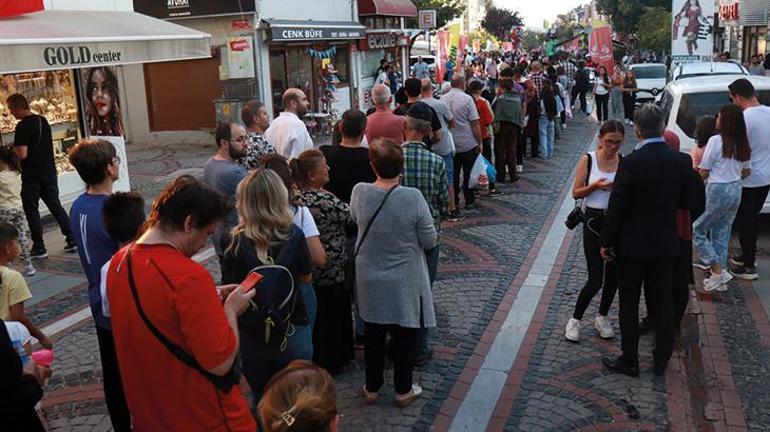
[268, 320]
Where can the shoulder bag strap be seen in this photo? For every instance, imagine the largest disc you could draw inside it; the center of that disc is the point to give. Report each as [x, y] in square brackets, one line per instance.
[369, 225]
[589, 162]
[175, 350]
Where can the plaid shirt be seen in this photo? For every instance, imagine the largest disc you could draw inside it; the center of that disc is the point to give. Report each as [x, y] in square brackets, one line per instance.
[570, 69]
[425, 171]
[537, 80]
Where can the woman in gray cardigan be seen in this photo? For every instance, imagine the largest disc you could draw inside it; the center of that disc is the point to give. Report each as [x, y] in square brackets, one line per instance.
[392, 285]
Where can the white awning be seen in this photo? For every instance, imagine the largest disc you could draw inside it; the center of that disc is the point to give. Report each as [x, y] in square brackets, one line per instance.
[51, 40]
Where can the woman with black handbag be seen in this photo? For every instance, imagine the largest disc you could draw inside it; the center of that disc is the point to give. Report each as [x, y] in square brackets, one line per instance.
[395, 227]
[593, 185]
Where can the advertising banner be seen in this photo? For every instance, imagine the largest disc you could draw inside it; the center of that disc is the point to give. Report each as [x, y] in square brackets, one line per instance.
[443, 53]
[192, 8]
[240, 57]
[600, 46]
[692, 29]
[463, 45]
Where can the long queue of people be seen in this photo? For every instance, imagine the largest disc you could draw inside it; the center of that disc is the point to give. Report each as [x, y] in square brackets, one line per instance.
[643, 214]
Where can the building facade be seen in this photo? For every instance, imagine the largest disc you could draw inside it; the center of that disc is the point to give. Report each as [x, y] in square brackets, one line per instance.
[743, 28]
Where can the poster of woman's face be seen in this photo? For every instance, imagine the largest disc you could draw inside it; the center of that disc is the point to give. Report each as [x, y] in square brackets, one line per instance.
[102, 101]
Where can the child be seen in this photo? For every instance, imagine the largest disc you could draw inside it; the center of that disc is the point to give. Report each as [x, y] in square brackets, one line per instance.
[123, 217]
[13, 288]
[11, 210]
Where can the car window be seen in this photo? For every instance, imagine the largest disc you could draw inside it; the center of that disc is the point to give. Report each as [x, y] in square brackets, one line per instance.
[696, 105]
[650, 72]
[665, 104]
[764, 97]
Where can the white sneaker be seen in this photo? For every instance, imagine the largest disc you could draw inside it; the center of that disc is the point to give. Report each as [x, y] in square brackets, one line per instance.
[31, 271]
[572, 332]
[604, 327]
[519, 168]
[716, 280]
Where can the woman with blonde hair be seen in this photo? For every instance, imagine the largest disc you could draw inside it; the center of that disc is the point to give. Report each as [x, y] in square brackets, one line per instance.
[301, 397]
[265, 235]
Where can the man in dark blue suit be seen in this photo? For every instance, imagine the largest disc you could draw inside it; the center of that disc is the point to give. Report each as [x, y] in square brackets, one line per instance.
[640, 232]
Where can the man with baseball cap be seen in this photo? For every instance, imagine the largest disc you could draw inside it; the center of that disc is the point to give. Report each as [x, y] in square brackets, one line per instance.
[425, 171]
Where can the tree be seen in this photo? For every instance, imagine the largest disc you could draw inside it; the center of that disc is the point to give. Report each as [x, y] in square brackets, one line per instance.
[500, 21]
[446, 10]
[655, 37]
[482, 36]
[625, 15]
[532, 39]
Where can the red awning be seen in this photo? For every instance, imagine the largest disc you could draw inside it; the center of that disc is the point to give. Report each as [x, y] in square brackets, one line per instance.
[398, 8]
[18, 7]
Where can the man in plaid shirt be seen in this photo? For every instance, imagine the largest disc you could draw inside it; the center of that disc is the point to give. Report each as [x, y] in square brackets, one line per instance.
[425, 171]
[569, 69]
[537, 76]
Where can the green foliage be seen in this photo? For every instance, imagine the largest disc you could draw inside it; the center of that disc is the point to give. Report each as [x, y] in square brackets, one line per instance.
[657, 32]
[532, 39]
[500, 21]
[625, 15]
[482, 36]
[446, 10]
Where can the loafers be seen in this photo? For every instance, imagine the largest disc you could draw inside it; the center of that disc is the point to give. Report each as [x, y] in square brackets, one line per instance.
[620, 366]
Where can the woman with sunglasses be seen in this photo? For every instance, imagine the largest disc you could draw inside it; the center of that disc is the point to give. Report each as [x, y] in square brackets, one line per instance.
[593, 184]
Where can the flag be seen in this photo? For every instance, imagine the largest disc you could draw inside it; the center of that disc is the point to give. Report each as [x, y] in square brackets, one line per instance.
[443, 42]
[600, 47]
[18, 7]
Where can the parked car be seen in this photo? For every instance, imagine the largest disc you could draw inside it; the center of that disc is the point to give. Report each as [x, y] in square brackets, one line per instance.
[651, 79]
[429, 59]
[692, 70]
[684, 102]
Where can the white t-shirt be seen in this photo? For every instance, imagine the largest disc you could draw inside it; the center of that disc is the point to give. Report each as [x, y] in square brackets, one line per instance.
[382, 78]
[758, 129]
[304, 220]
[721, 170]
[19, 336]
[103, 289]
[601, 87]
[289, 135]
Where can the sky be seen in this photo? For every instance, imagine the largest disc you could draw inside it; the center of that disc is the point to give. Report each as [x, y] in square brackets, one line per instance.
[535, 11]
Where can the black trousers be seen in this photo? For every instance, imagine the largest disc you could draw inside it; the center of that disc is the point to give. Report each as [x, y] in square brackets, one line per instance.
[333, 329]
[113, 386]
[656, 275]
[47, 189]
[486, 150]
[629, 105]
[601, 275]
[403, 344]
[506, 150]
[464, 162]
[579, 93]
[752, 200]
[602, 103]
[521, 147]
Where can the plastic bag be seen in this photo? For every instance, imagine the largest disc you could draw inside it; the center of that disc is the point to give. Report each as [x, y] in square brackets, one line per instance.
[479, 167]
[491, 171]
[590, 107]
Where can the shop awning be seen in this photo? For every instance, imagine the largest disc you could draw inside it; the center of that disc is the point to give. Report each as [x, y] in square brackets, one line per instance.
[398, 8]
[50, 40]
[288, 30]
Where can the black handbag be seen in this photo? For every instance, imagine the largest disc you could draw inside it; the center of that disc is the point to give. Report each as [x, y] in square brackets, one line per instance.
[576, 216]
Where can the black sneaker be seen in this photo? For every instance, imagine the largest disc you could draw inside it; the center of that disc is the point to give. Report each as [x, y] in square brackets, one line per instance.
[70, 246]
[495, 192]
[745, 273]
[38, 253]
[455, 216]
[737, 261]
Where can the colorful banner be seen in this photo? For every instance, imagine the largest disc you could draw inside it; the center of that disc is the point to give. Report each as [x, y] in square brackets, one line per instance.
[600, 47]
[443, 51]
[462, 46]
[691, 32]
[477, 46]
[18, 7]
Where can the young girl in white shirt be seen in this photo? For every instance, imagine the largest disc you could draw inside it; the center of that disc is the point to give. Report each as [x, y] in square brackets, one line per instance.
[11, 210]
[726, 160]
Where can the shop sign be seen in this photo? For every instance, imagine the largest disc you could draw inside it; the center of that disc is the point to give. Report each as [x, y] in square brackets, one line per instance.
[729, 11]
[379, 41]
[241, 24]
[78, 56]
[427, 19]
[313, 33]
[240, 57]
[192, 8]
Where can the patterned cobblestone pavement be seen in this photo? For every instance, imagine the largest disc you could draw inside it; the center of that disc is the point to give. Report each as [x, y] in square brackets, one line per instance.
[553, 385]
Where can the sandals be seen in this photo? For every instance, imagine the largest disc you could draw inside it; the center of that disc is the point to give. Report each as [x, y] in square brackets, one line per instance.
[405, 400]
[369, 398]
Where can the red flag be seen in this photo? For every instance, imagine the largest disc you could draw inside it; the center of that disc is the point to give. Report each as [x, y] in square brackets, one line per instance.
[443, 49]
[600, 47]
[461, 51]
[18, 7]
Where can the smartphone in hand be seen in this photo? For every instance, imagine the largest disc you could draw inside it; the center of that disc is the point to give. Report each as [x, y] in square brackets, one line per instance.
[251, 281]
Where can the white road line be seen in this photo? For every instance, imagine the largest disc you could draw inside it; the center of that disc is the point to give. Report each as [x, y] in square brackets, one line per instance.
[85, 313]
[477, 407]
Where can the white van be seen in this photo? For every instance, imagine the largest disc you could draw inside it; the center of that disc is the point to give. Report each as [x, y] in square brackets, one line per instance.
[650, 80]
[686, 101]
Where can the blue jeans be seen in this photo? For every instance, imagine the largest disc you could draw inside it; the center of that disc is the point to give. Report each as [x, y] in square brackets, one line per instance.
[300, 344]
[722, 201]
[547, 131]
[449, 166]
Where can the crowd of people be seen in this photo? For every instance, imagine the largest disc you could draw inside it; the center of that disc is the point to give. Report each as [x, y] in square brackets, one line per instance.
[325, 249]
